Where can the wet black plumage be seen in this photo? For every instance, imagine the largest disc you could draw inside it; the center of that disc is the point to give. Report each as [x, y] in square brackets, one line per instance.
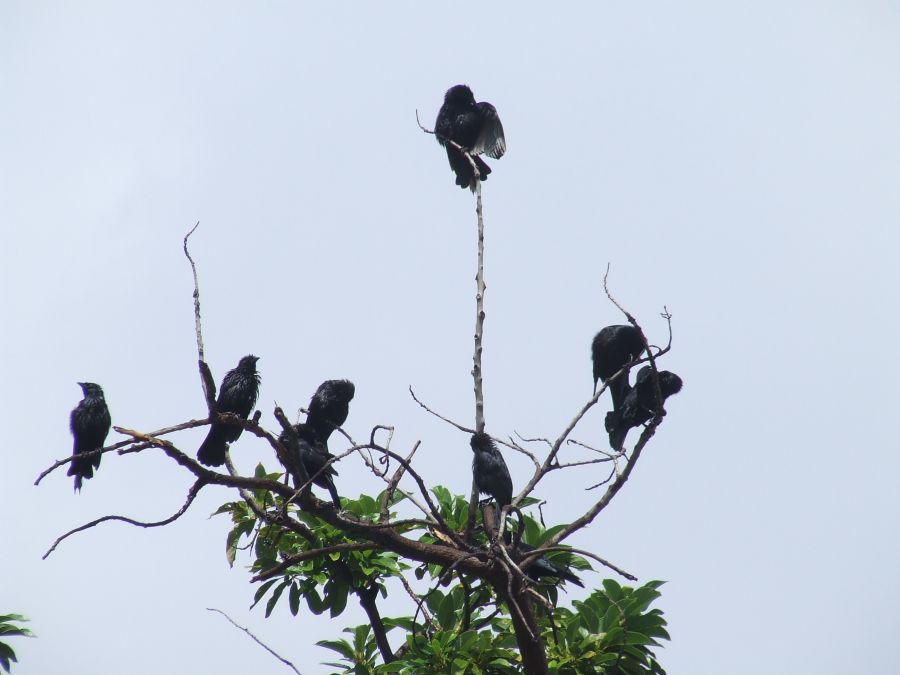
[612, 348]
[489, 469]
[313, 452]
[542, 567]
[89, 423]
[475, 127]
[329, 407]
[639, 404]
[237, 395]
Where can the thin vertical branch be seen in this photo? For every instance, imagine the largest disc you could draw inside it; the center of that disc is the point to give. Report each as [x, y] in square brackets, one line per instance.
[206, 378]
[476, 357]
[479, 315]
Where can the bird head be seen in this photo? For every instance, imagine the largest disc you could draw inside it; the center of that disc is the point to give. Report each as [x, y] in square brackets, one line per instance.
[459, 94]
[90, 389]
[481, 442]
[669, 383]
[342, 389]
[248, 363]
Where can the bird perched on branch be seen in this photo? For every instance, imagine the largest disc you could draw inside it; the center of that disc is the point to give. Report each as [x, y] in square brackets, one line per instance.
[312, 451]
[542, 567]
[640, 404]
[89, 423]
[489, 469]
[473, 126]
[612, 348]
[329, 407]
[237, 395]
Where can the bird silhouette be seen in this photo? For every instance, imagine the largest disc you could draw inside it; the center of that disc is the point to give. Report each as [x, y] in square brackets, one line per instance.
[237, 395]
[473, 126]
[89, 423]
[612, 348]
[640, 404]
[489, 469]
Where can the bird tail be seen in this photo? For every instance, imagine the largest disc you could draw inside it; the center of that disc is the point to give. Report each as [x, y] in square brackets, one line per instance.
[334, 494]
[212, 450]
[568, 576]
[616, 429]
[618, 389]
[80, 468]
[462, 167]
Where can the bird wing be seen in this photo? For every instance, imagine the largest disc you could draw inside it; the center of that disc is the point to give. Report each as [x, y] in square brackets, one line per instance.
[491, 140]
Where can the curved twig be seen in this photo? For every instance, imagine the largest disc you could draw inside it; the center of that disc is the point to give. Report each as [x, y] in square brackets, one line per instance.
[192, 493]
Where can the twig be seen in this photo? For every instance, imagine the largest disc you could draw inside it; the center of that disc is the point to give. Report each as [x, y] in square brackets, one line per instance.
[392, 485]
[192, 493]
[532, 555]
[610, 455]
[467, 430]
[611, 491]
[615, 471]
[418, 599]
[121, 444]
[256, 640]
[206, 378]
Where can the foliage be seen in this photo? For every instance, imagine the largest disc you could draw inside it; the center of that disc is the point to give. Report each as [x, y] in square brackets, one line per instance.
[9, 629]
[460, 625]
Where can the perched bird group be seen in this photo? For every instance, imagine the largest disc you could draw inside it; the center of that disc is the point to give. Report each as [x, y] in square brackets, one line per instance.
[474, 127]
[328, 410]
[613, 349]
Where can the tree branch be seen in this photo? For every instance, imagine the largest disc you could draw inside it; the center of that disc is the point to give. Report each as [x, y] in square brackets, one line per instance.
[206, 378]
[192, 493]
[256, 640]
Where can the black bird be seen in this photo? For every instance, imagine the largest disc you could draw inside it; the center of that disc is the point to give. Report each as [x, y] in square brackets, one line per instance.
[89, 423]
[237, 395]
[544, 567]
[329, 407]
[639, 405]
[612, 348]
[313, 453]
[489, 469]
[475, 127]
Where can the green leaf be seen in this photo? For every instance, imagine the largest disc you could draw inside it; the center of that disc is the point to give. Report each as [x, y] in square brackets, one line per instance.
[342, 647]
[261, 591]
[338, 597]
[294, 599]
[274, 599]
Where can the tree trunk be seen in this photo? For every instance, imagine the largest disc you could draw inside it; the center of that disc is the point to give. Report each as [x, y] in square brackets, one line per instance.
[528, 637]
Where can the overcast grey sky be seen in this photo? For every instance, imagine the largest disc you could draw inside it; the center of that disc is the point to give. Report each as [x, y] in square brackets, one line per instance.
[737, 162]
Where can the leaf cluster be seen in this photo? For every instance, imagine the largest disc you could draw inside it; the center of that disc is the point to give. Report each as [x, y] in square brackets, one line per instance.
[459, 625]
[8, 628]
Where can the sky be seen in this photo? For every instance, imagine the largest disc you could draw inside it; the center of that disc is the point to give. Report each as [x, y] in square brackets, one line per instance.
[737, 163]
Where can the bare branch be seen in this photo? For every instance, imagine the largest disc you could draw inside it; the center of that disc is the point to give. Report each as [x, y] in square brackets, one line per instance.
[611, 491]
[192, 493]
[392, 484]
[137, 447]
[419, 600]
[206, 378]
[587, 554]
[256, 640]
